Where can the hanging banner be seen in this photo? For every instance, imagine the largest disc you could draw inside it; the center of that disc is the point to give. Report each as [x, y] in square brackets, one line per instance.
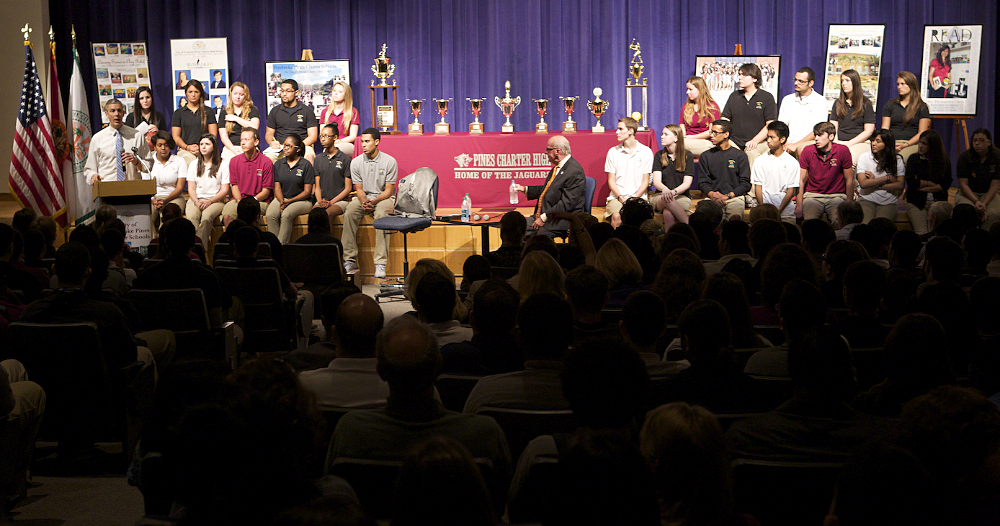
[121, 69]
[949, 78]
[858, 47]
[205, 60]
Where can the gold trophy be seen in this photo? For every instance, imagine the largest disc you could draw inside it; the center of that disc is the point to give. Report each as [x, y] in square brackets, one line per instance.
[382, 68]
[635, 68]
[476, 127]
[442, 128]
[598, 107]
[540, 106]
[507, 106]
[415, 106]
[569, 126]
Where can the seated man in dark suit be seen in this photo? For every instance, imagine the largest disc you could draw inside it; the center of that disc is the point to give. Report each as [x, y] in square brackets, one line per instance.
[546, 323]
[564, 190]
[494, 348]
[816, 425]
[408, 359]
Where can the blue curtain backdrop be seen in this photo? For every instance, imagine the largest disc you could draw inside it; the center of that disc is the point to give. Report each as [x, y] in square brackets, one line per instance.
[546, 48]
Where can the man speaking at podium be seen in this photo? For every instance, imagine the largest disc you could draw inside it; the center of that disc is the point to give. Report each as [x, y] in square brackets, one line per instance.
[113, 150]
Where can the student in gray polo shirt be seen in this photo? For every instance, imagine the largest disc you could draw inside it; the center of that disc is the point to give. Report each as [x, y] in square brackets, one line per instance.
[374, 178]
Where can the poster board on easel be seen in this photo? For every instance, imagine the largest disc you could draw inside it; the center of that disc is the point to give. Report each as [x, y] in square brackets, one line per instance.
[858, 47]
[949, 73]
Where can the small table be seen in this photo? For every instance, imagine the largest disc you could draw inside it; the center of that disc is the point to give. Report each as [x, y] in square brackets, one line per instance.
[494, 221]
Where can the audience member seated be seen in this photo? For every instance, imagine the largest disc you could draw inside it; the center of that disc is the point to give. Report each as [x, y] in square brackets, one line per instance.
[816, 236]
[816, 425]
[178, 271]
[713, 380]
[939, 212]
[686, 451]
[571, 256]
[475, 268]
[22, 405]
[111, 242]
[978, 248]
[643, 322]
[48, 227]
[785, 263]
[546, 323]
[734, 243]
[539, 273]
[708, 239]
[728, 290]
[903, 251]
[864, 286]
[319, 354]
[408, 359]
[435, 300]
[587, 292]
[17, 278]
[512, 229]
[351, 379]
[34, 251]
[340, 509]
[802, 307]
[248, 211]
[493, 348]
[916, 362]
[319, 231]
[765, 234]
[949, 304]
[18, 258]
[433, 266]
[439, 483]
[955, 433]
[849, 215]
[839, 255]
[679, 281]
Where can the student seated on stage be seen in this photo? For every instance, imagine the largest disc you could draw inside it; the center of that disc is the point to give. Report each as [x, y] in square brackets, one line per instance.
[802, 110]
[293, 187]
[628, 166]
[726, 177]
[775, 175]
[852, 115]
[750, 109]
[827, 176]
[374, 177]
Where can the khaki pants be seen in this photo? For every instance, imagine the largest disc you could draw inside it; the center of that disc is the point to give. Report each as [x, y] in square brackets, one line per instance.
[280, 221]
[204, 220]
[857, 150]
[873, 210]
[755, 153]
[992, 209]
[352, 218]
[697, 146]
[154, 216]
[815, 205]
[735, 207]
[187, 156]
[907, 152]
[918, 218]
[612, 207]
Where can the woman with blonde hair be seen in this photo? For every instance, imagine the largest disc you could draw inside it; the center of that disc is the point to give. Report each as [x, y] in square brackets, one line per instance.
[673, 171]
[342, 113]
[697, 115]
[238, 113]
[424, 267]
[191, 121]
[853, 115]
[907, 116]
[540, 272]
[617, 262]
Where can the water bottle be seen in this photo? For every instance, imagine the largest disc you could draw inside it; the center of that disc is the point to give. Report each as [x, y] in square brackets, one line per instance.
[513, 192]
[466, 209]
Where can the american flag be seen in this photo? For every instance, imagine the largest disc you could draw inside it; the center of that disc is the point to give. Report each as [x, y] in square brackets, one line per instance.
[34, 169]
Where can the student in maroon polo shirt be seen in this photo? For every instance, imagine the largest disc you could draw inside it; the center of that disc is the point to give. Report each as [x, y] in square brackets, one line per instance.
[250, 174]
[827, 176]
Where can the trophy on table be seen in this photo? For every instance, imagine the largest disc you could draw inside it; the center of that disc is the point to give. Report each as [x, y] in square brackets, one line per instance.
[540, 107]
[442, 128]
[635, 68]
[598, 107]
[384, 110]
[382, 68]
[569, 126]
[476, 127]
[415, 106]
[507, 106]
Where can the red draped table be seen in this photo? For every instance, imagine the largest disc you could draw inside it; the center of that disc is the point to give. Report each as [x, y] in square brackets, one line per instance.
[483, 165]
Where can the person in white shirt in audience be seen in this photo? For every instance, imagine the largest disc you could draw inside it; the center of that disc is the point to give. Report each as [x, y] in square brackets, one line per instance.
[775, 176]
[802, 110]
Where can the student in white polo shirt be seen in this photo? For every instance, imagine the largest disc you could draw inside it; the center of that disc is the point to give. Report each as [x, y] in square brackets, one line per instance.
[775, 175]
[802, 110]
[628, 165]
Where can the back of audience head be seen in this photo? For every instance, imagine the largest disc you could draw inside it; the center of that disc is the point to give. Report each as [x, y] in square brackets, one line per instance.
[587, 290]
[952, 229]
[494, 308]
[792, 233]
[72, 264]
[713, 210]
[542, 243]
[540, 272]
[943, 260]
[705, 335]
[330, 300]
[34, 246]
[679, 281]
[686, 450]
[766, 234]
[22, 220]
[318, 221]
[248, 211]
[938, 213]
[785, 263]
[728, 290]
[512, 228]
[915, 350]
[640, 246]
[546, 326]
[686, 230]
[435, 298]
[764, 211]
[708, 240]
[882, 231]
[170, 211]
[245, 242]
[882, 484]
[802, 307]
[840, 255]
[850, 213]
[475, 268]
[618, 264]
[819, 364]
[178, 237]
[600, 233]
[358, 320]
[864, 286]
[734, 238]
[635, 211]
[325, 511]
[570, 257]
[966, 215]
[817, 235]
[439, 483]
[103, 214]
[978, 247]
[48, 227]
[904, 249]
[605, 384]
[423, 267]
[112, 242]
[408, 358]
[643, 318]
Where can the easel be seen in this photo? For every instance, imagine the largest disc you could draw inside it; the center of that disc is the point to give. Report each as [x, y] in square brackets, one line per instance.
[961, 130]
[739, 49]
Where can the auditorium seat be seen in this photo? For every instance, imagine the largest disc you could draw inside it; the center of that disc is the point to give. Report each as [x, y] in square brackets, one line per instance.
[270, 320]
[455, 388]
[184, 312]
[784, 492]
[524, 425]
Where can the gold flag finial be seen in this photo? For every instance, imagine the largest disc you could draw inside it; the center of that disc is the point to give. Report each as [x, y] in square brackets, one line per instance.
[27, 32]
[73, 33]
[52, 41]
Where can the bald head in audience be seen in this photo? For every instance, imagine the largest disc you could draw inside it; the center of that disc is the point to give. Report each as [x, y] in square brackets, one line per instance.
[358, 321]
[408, 358]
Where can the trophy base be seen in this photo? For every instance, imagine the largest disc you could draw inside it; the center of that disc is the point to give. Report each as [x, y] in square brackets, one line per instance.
[541, 127]
[507, 129]
[643, 128]
[417, 128]
[475, 128]
[597, 129]
[569, 127]
[442, 128]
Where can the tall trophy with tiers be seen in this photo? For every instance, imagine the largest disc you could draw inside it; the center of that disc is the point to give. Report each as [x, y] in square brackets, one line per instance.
[476, 127]
[598, 107]
[442, 128]
[541, 106]
[386, 114]
[635, 68]
[569, 126]
[507, 105]
[415, 107]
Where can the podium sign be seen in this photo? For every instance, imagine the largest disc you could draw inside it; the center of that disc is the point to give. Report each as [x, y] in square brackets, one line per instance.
[132, 200]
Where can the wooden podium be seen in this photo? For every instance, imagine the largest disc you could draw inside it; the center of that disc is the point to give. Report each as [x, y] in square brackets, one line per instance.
[132, 199]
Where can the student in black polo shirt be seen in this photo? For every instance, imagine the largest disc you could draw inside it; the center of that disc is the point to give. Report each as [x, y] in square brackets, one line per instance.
[750, 109]
[191, 121]
[725, 171]
[291, 116]
[978, 180]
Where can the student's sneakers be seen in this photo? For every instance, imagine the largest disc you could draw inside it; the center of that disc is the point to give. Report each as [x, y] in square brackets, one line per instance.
[351, 267]
[380, 271]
